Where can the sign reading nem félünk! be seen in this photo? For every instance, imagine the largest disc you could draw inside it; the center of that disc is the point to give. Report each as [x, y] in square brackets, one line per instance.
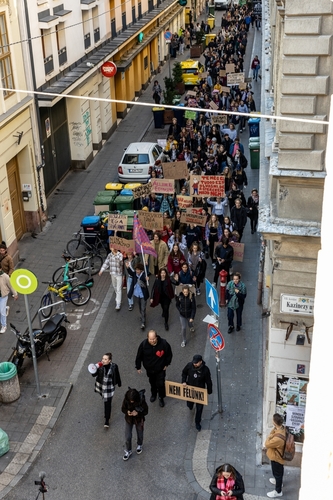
[296, 304]
[186, 392]
[151, 220]
[163, 186]
[175, 170]
[207, 185]
[143, 190]
[117, 222]
[121, 244]
[235, 78]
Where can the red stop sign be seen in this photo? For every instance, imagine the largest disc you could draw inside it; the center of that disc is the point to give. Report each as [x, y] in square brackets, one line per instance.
[109, 69]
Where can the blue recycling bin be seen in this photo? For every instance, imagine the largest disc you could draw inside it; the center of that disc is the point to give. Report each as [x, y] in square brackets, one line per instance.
[179, 114]
[254, 127]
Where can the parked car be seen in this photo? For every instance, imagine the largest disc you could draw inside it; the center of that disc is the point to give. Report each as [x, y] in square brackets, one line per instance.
[138, 160]
[191, 71]
[221, 4]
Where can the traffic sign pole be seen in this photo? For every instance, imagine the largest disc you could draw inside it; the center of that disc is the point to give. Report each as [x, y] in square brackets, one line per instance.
[219, 383]
[217, 343]
[25, 282]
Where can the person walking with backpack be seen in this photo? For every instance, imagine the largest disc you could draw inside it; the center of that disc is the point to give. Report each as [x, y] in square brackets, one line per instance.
[275, 444]
[135, 409]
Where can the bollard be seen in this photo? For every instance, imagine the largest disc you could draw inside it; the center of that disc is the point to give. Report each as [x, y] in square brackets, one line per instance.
[223, 284]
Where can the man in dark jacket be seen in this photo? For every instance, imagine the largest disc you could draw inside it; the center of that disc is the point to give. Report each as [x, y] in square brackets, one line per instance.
[135, 409]
[197, 374]
[155, 354]
[224, 254]
[139, 289]
[238, 216]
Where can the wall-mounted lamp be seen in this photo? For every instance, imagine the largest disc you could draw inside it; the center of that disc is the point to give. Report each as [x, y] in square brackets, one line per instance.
[18, 137]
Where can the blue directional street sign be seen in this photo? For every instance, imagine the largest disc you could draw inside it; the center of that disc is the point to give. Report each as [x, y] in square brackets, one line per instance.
[215, 337]
[212, 298]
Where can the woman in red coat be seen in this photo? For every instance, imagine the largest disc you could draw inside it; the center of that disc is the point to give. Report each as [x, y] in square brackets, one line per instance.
[162, 293]
[175, 260]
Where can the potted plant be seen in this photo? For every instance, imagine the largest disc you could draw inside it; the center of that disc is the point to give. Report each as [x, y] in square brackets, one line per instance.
[168, 97]
[197, 49]
[177, 74]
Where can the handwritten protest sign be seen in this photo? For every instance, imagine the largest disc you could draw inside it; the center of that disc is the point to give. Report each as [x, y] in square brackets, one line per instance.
[117, 222]
[191, 115]
[151, 220]
[238, 251]
[191, 217]
[203, 75]
[207, 185]
[175, 170]
[191, 93]
[121, 244]
[186, 392]
[184, 201]
[163, 186]
[242, 86]
[223, 72]
[229, 68]
[220, 119]
[213, 105]
[235, 78]
[143, 190]
[226, 89]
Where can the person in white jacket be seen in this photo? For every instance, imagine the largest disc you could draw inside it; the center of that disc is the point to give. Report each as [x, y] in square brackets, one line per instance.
[114, 263]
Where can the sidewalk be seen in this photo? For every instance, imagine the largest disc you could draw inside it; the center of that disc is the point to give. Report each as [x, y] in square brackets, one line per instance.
[236, 435]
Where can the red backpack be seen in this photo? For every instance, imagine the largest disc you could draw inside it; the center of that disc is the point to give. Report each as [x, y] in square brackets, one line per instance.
[289, 447]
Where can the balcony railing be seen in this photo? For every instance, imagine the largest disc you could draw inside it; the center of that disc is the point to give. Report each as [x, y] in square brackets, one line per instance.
[48, 65]
[62, 55]
[97, 35]
[87, 41]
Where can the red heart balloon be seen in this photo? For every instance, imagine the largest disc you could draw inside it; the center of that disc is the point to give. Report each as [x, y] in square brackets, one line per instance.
[159, 353]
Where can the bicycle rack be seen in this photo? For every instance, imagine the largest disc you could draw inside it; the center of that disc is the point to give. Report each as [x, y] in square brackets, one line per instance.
[73, 261]
[54, 304]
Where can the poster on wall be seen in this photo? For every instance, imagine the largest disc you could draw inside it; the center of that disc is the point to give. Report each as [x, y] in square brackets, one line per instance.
[291, 403]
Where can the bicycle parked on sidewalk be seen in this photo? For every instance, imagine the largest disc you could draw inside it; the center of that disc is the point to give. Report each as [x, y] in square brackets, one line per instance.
[88, 265]
[87, 243]
[79, 295]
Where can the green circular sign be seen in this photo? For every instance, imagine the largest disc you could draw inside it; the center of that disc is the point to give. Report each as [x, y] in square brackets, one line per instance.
[24, 281]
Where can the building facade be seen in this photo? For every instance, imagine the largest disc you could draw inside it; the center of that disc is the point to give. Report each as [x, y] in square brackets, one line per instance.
[297, 84]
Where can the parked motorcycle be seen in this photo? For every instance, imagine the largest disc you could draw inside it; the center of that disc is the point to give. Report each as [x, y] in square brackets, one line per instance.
[52, 336]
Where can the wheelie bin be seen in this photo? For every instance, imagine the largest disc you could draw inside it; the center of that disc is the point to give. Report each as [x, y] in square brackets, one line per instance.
[9, 383]
[254, 148]
[254, 128]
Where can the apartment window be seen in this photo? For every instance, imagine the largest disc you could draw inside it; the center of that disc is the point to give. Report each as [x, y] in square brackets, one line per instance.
[139, 10]
[95, 17]
[61, 43]
[86, 29]
[145, 62]
[113, 28]
[6, 72]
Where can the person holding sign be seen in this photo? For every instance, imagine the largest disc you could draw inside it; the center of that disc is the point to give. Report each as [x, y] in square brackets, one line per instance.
[227, 483]
[197, 374]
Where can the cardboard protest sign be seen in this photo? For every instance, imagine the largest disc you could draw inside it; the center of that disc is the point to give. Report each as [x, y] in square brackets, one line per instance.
[143, 190]
[175, 170]
[203, 75]
[190, 217]
[220, 119]
[213, 105]
[184, 201]
[121, 244]
[117, 222]
[191, 93]
[223, 72]
[186, 392]
[190, 115]
[238, 251]
[151, 220]
[229, 68]
[163, 186]
[207, 185]
[235, 78]
[242, 86]
[226, 89]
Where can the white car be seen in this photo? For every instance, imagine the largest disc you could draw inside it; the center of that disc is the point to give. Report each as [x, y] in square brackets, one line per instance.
[221, 4]
[138, 161]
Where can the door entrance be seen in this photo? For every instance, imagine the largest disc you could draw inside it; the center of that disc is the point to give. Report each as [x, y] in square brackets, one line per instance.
[16, 198]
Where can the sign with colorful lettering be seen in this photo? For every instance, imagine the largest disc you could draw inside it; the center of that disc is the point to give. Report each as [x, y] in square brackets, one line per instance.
[163, 186]
[238, 251]
[121, 244]
[152, 221]
[207, 185]
[184, 201]
[190, 217]
[297, 304]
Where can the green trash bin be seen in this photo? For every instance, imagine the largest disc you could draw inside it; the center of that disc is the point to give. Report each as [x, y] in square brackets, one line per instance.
[124, 202]
[9, 384]
[130, 218]
[104, 201]
[254, 147]
[211, 10]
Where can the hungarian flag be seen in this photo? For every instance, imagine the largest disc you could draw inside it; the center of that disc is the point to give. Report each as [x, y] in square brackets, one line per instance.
[141, 239]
